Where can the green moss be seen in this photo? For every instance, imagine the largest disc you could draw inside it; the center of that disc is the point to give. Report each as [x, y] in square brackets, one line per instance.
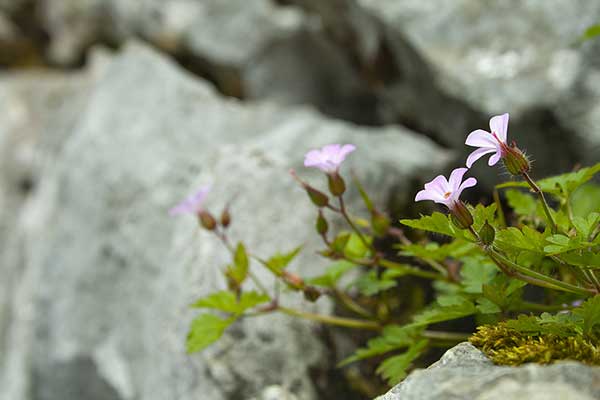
[507, 346]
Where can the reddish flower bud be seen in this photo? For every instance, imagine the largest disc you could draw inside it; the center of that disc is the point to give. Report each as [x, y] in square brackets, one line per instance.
[337, 186]
[207, 221]
[225, 218]
[293, 280]
[311, 293]
[318, 198]
[461, 216]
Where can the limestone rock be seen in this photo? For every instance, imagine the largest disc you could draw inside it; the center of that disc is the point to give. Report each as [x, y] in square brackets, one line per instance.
[465, 373]
[109, 276]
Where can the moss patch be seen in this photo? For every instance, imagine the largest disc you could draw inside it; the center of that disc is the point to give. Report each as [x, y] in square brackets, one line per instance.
[507, 346]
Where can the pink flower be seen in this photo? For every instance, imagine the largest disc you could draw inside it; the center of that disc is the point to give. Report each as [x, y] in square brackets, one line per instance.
[444, 191]
[329, 158]
[192, 204]
[489, 142]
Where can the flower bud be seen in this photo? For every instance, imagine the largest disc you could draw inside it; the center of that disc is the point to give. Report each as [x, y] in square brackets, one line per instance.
[461, 216]
[318, 198]
[207, 221]
[337, 186]
[225, 218]
[311, 293]
[487, 234]
[515, 160]
[321, 225]
[380, 223]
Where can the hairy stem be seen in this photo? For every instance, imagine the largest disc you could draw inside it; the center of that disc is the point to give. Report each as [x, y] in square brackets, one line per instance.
[332, 320]
[540, 194]
[535, 278]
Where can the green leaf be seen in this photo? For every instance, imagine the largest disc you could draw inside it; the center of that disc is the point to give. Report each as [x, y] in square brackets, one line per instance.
[279, 262]
[586, 200]
[585, 226]
[370, 284]
[486, 306]
[476, 272]
[363, 193]
[513, 241]
[393, 337]
[481, 214]
[332, 274]
[590, 312]
[590, 33]
[393, 369]
[239, 270]
[227, 301]
[440, 313]
[436, 222]
[560, 185]
[355, 248]
[437, 252]
[503, 291]
[205, 330]
[523, 204]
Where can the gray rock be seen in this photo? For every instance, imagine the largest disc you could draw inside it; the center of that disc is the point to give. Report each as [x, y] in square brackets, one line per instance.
[227, 33]
[109, 276]
[465, 373]
[487, 58]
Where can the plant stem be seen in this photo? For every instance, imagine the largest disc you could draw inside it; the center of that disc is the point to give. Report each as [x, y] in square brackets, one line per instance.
[529, 306]
[540, 194]
[412, 270]
[501, 217]
[535, 278]
[351, 305]
[353, 226]
[332, 320]
[447, 336]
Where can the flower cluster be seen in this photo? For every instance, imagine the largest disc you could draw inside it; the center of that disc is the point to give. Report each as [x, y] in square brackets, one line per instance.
[447, 192]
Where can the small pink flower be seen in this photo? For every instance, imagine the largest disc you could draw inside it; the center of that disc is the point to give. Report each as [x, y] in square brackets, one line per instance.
[329, 158]
[192, 204]
[444, 191]
[489, 142]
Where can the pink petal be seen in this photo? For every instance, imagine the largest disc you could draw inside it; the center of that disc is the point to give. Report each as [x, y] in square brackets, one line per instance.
[456, 178]
[477, 154]
[424, 195]
[469, 182]
[494, 159]
[480, 138]
[312, 158]
[438, 185]
[499, 125]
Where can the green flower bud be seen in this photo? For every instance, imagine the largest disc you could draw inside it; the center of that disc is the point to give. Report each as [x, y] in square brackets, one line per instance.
[337, 186]
[322, 226]
[318, 198]
[515, 160]
[487, 234]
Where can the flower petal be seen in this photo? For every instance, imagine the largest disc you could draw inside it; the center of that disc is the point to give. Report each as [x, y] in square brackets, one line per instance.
[456, 178]
[438, 185]
[494, 159]
[499, 125]
[469, 182]
[477, 154]
[480, 138]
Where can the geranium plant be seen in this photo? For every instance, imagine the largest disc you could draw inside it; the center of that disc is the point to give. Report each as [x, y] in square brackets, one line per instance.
[524, 271]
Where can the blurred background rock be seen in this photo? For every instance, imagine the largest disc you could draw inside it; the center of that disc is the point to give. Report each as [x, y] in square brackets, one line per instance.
[112, 110]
